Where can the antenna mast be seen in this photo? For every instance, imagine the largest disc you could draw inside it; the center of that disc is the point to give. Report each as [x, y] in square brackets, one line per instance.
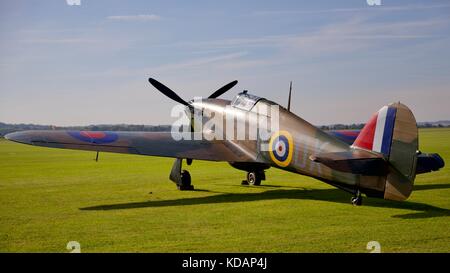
[289, 101]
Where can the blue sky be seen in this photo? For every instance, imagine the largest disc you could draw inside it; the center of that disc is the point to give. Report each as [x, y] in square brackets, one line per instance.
[89, 64]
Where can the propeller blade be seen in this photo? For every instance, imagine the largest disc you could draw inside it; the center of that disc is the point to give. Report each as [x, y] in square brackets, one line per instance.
[222, 90]
[167, 91]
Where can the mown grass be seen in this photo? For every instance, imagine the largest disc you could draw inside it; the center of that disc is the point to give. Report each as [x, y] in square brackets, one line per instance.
[126, 203]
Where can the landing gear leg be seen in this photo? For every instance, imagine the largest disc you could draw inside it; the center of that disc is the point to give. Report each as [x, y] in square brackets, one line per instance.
[180, 177]
[357, 199]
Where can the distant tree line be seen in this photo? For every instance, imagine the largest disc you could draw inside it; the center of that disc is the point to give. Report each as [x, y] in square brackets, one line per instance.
[432, 125]
[359, 126]
[354, 126]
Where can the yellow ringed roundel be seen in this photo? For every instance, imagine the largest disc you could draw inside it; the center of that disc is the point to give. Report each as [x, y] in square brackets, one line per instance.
[281, 148]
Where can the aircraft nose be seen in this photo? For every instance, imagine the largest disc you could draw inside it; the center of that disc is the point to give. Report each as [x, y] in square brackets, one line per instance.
[21, 137]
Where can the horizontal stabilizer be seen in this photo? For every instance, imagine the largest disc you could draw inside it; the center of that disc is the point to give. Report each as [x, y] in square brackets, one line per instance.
[355, 161]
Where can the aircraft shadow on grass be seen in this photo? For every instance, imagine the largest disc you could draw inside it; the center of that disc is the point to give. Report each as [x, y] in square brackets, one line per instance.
[329, 195]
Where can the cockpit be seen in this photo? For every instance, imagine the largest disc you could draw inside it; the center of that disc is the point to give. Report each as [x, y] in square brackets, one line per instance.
[245, 101]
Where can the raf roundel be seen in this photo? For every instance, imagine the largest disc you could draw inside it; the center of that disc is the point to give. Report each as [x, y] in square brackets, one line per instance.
[281, 148]
[94, 137]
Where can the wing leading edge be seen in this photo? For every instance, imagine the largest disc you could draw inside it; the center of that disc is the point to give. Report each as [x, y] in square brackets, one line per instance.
[141, 143]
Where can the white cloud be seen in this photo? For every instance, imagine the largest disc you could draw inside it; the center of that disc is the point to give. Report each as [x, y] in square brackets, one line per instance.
[140, 17]
[353, 34]
[200, 62]
[352, 10]
[183, 66]
[350, 36]
[60, 41]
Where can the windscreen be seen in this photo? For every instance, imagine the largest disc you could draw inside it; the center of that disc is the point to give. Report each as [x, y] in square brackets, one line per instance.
[245, 101]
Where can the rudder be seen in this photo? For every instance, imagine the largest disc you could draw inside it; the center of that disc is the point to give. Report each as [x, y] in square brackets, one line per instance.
[392, 131]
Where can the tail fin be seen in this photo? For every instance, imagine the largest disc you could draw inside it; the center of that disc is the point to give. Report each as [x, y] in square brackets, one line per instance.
[392, 132]
[377, 133]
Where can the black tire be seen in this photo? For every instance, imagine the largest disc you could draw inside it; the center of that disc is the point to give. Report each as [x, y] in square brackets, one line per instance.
[356, 201]
[185, 178]
[185, 181]
[254, 178]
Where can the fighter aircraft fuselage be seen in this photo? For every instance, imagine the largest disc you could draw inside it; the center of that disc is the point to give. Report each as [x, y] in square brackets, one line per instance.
[303, 138]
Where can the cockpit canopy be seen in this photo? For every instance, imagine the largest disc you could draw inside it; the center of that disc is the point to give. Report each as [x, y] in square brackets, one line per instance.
[245, 101]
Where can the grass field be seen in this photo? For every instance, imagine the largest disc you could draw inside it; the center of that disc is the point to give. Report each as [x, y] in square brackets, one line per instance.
[126, 203]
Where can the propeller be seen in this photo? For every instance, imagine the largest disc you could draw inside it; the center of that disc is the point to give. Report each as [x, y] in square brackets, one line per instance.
[222, 90]
[171, 94]
[167, 91]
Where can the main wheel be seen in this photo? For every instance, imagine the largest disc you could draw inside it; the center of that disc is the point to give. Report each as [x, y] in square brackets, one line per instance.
[254, 178]
[185, 181]
[356, 200]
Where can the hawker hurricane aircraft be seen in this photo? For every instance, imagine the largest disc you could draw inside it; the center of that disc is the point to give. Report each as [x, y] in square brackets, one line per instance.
[381, 160]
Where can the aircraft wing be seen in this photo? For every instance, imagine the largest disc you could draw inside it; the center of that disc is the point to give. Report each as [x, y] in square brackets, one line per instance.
[347, 136]
[141, 143]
